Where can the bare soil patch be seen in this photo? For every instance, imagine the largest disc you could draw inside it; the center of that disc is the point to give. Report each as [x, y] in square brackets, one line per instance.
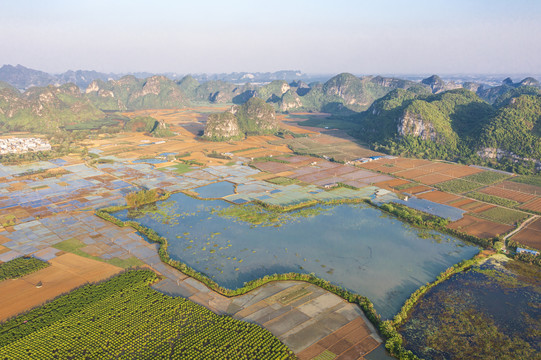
[66, 272]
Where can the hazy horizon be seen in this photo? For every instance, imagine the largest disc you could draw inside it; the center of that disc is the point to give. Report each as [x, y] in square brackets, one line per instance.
[387, 37]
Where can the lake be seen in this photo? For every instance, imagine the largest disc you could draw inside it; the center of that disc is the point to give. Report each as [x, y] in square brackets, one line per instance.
[354, 246]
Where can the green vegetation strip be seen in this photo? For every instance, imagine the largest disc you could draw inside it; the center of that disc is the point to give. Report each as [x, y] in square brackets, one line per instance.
[124, 318]
[528, 179]
[20, 266]
[492, 199]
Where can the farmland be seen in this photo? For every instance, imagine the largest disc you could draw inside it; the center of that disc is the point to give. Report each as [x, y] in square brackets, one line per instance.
[125, 318]
[46, 210]
[62, 274]
[20, 267]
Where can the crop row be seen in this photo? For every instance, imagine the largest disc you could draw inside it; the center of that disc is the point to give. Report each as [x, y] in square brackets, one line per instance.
[136, 322]
[20, 266]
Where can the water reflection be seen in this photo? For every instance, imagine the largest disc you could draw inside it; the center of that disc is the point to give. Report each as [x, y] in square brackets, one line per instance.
[350, 245]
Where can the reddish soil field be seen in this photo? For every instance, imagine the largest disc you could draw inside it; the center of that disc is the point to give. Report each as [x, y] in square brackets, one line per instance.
[528, 237]
[473, 205]
[66, 272]
[393, 183]
[482, 208]
[458, 203]
[524, 188]
[508, 194]
[351, 341]
[456, 170]
[534, 205]
[536, 225]
[273, 167]
[359, 174]
[479, 227]
[409, 163]
[432, 179]
[439, 197]
[416, 189]
[412, 173]
[373, 165]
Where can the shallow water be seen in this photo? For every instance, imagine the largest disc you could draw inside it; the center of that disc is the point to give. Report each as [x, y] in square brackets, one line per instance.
[354, 246]
[215, 190]
[496, 309]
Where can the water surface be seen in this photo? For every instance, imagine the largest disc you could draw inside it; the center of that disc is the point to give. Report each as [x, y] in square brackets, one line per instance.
[354, 246]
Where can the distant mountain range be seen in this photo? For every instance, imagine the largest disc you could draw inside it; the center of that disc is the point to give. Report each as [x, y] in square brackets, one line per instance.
[427, 118]
[23, 78]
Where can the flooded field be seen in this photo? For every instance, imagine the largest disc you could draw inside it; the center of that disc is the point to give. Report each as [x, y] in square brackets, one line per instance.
[354, 246]
[491, 311]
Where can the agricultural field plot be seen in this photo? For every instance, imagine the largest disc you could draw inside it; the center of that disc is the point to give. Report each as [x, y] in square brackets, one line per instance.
[66, 272]
[482, 228]
[502, 215]
[534, 205]
[352, 341]
[529, 237]
[508, 194]
[520, 187]
[439, 197]
[340, 146]
[417, 189]
[432, 179]
[458, 186]
[126, 318]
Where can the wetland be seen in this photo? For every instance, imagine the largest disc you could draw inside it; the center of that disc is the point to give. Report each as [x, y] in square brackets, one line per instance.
[354, 246]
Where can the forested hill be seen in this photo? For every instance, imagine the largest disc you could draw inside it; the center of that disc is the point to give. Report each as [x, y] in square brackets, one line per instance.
[457, 125]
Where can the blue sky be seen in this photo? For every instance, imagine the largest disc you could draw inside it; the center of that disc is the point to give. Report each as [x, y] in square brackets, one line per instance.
[362, 37]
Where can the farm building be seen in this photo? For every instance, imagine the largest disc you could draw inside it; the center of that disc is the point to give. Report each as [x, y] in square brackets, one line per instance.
[527, 251]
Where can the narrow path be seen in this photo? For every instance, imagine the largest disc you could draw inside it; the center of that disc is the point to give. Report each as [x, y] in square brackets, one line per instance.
[521, 226]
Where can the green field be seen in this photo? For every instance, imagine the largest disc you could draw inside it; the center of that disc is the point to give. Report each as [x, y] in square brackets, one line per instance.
[281, 180]
[19, 267]
[492, 199]
[502, 215]
[487, 177]
[458, 186]
[124, 318]
[528, 179]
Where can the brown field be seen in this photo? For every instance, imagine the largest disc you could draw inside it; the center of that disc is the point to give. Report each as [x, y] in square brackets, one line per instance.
[473, 205]
[534, 205]
[460, 202]
[66, 272]
[186, 123]
[452, 170]
[508, 194]
[528, 237]
[479, 227]
[417, 189]
[536, 225]
[432, 179]
[351, 341]
[393, 183]
[524, 188]
[439, 197]
[411, 173]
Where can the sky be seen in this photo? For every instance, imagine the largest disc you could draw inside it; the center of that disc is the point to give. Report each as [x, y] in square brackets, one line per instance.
[316, 37]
